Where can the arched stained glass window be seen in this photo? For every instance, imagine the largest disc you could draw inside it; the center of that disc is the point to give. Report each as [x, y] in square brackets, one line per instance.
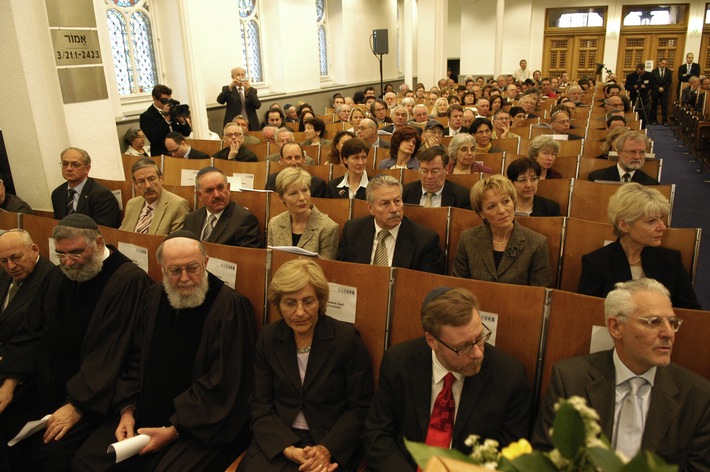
[129, 28]
[250, 33]
[322, 37]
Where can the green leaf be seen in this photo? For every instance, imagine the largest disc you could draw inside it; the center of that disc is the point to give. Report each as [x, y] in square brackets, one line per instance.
[536, 461]
[422, 453]
[605, 459]
[646, 461]
[568, 431]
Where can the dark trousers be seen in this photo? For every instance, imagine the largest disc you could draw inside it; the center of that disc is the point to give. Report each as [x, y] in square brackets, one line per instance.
[662, 99]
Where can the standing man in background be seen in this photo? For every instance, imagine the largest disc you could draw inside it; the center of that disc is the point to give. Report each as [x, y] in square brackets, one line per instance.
[241, 99]
[662, 80]
[687, 70]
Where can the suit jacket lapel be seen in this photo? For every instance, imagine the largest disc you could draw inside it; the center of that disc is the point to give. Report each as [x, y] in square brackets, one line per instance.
[600, 391]
[285, 348]
[84, 197]
[663, 409]
[417, 194]
[517, 238]
[404, 247]
[322, 345]
[158, 214]
[420, 372]
[473, 388]
[484, 245]
[222, 223]
[310, 231]
[363, 242]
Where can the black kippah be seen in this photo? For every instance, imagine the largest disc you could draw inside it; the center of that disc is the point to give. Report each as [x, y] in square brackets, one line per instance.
[78, 220]
[435, 293]
[182, 233]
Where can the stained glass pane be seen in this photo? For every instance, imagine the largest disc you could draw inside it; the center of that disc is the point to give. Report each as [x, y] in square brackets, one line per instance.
[119, 50]
[246, 7]
[251, 46]
[322, 51]
[320, 10]
[125, 3]
[143, 52]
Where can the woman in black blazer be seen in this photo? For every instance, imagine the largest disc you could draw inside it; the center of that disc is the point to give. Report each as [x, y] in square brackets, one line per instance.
[353, 184]
[637, 213]
[525, 175]
[313, 381]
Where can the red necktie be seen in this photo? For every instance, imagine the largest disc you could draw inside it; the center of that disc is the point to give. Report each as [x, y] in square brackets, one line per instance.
[441, 423]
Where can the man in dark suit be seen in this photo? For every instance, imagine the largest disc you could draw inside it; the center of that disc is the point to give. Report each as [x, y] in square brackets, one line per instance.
[433, 190]
[399, 242]
[662, 79]
[80, 194]
[220, 220]
[632, 155]
[670, 404]
[453, 363]
[176, 146]
[455, 114]
[291, 155]
[24, 275]
[241, 99]
[157, 121]
[688, 70]
[639, 84]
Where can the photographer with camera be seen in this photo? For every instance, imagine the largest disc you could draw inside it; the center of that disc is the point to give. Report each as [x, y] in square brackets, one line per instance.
[241, 99]
[164, 116]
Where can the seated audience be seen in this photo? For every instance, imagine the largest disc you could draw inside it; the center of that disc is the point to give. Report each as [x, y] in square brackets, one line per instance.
[456, 116]
[379, 112]
[433, 190]
[242, 121]
[400, 118]
[501, 125]
[176, 146]
[637, 214]
[482, 130]
[404, 144]
[496, 103]
[631, 147]
[367, 132]
[234, 150]
[356, 116]
[13, 203]
[188, 378]
[462, 156]
[136, 143]
[441, 105]
[315, 132]
[354, 183]
[525, 175]
[543, 150]
[301, 225]
[501, 250]
[609, 142]
[517, 116]
[560, 124]
[671, 405]
[292, 155]
[386, 237]
[334, 157]
[441, 387]
[313, 382]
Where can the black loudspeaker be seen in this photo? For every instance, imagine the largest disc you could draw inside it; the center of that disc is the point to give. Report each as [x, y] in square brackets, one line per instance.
[379, 42]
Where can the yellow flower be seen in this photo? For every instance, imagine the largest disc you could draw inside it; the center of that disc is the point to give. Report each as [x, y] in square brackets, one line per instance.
[516, 449]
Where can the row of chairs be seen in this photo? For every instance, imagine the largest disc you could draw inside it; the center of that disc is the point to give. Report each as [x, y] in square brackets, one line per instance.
[538, 326]
[568, 237]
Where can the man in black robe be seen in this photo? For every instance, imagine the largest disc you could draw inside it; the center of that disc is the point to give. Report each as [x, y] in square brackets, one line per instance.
[189, 375]
[69, 352]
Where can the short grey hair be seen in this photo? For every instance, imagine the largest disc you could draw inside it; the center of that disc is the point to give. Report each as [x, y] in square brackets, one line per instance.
[407, 101]
[635, 136]
[633, 201]
[457, 142]
[232, 125]
[145, 162]
[382, 180]
[85, 155]
[131, 134]
[620, 301]
[291, 176]
[399, 108]
[540, 142]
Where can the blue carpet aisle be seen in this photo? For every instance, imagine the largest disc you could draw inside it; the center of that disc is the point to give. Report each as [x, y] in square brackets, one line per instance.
[690, 208]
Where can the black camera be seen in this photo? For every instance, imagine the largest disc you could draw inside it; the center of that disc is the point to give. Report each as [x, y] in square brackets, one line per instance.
[176, 110]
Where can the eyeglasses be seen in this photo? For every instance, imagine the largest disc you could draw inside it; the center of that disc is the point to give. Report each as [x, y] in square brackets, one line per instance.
[656, 322]
[151, 180]
[74, 255]
[233, 135]
[466, 348]
[173, 151]
[433, 172]
[191, 269]
[523, 180]
[291, 304]
[73, 165]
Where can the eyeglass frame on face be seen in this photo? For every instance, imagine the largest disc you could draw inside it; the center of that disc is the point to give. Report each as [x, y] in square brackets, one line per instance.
[175, 272]
[233, 135]
[74, 255]
[151, 180]
[468, 347]
[654, 322]
[433, 172]
[635, 152]
[532, 179]
[291, 304]
[73, 165]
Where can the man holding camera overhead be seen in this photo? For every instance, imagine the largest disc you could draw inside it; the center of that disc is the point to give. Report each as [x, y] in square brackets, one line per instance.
[159, 120]
[241, 99]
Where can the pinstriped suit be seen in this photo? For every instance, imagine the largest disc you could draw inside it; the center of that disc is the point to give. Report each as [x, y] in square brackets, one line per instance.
[678, 422]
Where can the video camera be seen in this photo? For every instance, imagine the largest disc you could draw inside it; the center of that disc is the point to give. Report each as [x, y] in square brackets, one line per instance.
[176, 109]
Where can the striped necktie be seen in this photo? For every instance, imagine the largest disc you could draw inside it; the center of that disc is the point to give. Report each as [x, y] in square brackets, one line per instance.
[145, 220]
[70, 201]
[381, 258]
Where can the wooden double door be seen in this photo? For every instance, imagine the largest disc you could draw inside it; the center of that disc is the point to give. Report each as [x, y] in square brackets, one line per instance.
[577, 55]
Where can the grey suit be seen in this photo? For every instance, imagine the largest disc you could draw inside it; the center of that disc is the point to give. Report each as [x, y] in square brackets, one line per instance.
[526, 259]
[236, 227]
[320, 235]
[169, 215]
[678, 421]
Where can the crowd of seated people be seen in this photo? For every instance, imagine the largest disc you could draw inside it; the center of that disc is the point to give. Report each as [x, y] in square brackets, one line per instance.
[312, 400]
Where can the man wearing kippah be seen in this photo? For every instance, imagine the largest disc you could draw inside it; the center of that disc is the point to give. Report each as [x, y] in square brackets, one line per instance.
[67, 356]
[440, 388]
